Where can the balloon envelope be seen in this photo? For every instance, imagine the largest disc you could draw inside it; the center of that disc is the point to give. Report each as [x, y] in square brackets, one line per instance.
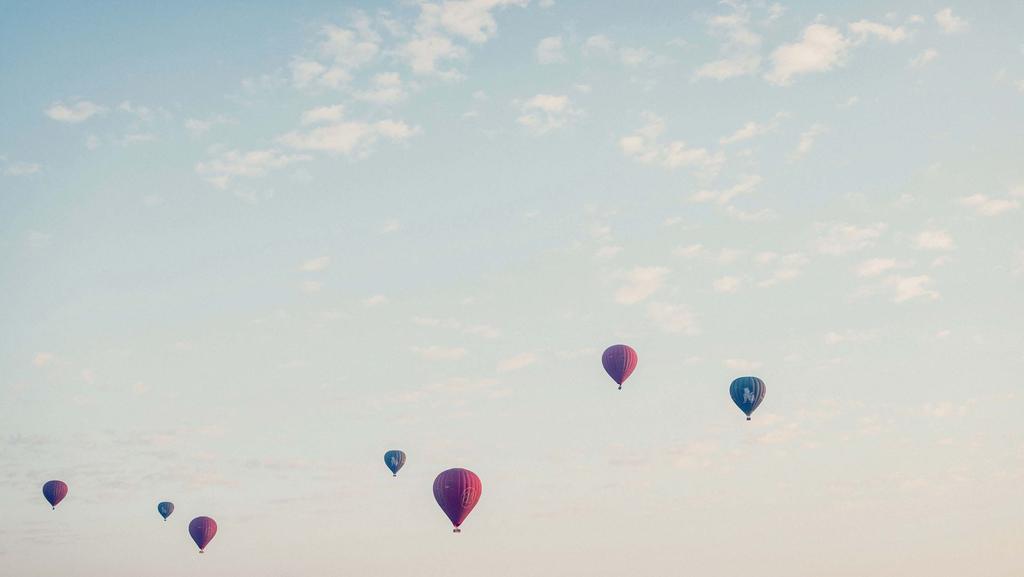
[165, 509]
[619, 361]
[747, 393]
[202, 530]
[394, 459]
[55, 491]
[457, 492]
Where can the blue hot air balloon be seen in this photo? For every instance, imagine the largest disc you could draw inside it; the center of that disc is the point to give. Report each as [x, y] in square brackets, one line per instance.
[165, 509]
[747, 393]
[394, 459]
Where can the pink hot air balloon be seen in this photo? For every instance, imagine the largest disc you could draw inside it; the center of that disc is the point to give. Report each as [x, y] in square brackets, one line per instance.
[55, 491]
[202, 530]
[457, 492]
[619, 361]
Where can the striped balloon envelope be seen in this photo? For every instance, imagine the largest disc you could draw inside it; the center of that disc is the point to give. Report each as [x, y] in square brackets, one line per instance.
[202, 530]
[619, 362]
[747, 393]
[457, 491]
[54, 492]
[394, 459]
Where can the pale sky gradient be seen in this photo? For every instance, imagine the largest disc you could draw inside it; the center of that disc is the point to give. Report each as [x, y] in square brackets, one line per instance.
[248, 247]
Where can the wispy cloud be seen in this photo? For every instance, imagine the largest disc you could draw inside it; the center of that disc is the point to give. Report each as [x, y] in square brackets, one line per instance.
[74, 113]
[641, 282]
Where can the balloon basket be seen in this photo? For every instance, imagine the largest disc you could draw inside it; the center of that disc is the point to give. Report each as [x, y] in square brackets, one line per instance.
[456, 530]
[748, 418]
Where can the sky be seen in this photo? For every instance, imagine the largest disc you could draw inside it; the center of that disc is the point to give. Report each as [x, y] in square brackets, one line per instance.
[247, 247]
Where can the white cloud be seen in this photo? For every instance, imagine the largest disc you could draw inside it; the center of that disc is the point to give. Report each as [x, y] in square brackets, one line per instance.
[746, 185]
[943, 409]
[689, 251]
[672, 318]
[645, 146]
[375, 300]
[875, 267]
[934, 240]
[989, 206]
[315, 264]
[470, 20]
[598, 43]
[726, 68]
[842, 238]
[848, 336]
[233, 164]
[348, 138]
[820, 49]
[17, 168]
[438, 353]
[424, 55]
[807, 140]
[740, 46]
[311, 286]
[727, 284]
[787, 267]
[608, 251]
[42, 359]
[641, 282]
[950, 23]
[910, 288]
[549, 50]
[924, 58]
[545, 112]
[78, 112]
[391, 225]
[323, 114]
[387, 89]
[517, 362]
[198, 126]
[340, 52]
[742, 364]
[747, 131]
[143, 113]
[864, 28]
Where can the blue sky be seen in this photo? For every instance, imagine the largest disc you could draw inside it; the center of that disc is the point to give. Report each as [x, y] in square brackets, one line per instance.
[249, 247]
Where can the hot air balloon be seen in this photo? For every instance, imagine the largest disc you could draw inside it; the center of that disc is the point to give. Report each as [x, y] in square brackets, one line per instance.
[202, 530]
[165, 509]
[619, 361]
[457, 492]
[747, 393]
[394, 459]
[55, 491]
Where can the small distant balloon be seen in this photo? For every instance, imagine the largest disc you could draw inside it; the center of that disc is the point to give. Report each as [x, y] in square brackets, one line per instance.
[747, 393]
[457, 492]
[394, 459]
[202, 530]
[165, 508]
[619, 361]
[55, 491]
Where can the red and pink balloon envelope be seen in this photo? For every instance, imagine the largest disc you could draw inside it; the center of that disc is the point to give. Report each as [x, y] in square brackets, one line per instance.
[457, 492]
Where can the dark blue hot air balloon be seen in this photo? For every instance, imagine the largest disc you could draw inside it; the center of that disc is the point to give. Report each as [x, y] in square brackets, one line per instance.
[394, 459]
[165, 509]
[747, 393]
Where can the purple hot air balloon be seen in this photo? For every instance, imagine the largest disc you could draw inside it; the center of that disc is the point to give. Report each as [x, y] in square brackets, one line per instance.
[619, 361]
[457, 492]
[55, 491]
[202, 530]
